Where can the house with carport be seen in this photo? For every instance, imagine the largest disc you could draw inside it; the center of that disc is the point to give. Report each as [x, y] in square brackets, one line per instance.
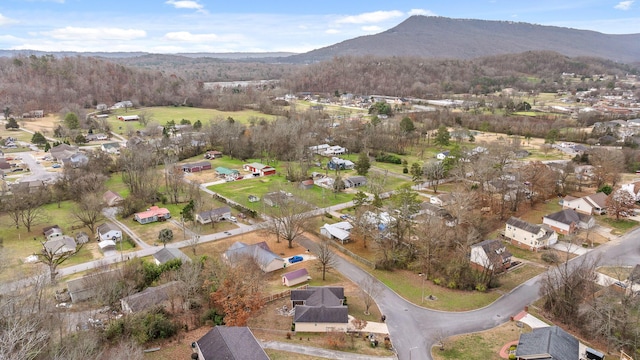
[529, 236]
[339, 231]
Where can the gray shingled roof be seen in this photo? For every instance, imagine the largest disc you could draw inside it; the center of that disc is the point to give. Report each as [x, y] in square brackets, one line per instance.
[167, 254]
[496, 251]
[150, 296]
[551, 341]
[521, 224]
[260, 253]
[568, 216]
[230, 343]
[323, 304]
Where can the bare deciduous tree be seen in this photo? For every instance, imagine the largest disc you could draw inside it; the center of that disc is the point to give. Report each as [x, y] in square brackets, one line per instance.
[326, 257]
[88, 210]
[55, 257]
[369, 289]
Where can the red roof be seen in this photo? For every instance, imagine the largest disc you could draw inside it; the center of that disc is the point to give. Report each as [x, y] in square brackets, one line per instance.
[153, 211]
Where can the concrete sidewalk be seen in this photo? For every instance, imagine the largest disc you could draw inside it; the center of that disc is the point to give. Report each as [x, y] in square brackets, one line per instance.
[323, 353]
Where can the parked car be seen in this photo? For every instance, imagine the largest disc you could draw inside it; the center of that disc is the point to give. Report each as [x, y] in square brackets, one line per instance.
[55, 166]
[295, 259]
[233, 219]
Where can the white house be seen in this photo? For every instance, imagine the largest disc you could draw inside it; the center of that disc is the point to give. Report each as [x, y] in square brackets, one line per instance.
[216, 214]
[590, 205]
[334, 150]
[490, 254]
[442, 155]
[529, 236]
[568, 221]
[109, 231]
[319, 149]
[633, 189]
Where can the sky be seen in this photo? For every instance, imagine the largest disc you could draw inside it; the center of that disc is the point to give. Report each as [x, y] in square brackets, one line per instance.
[190, 26]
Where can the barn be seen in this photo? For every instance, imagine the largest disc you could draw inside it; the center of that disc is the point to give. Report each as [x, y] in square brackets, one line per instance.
[196, 167]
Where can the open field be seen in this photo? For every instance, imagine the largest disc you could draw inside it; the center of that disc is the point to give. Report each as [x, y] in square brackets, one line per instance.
[164, 114]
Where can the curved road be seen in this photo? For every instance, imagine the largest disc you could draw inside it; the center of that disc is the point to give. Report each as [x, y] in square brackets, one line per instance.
[413, 329]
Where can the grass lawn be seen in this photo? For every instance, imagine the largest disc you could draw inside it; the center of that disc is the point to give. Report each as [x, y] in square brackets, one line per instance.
[484, 345]
[515, 277]
[164, 114]
[116, 184]
[619, 226]
[617, 272]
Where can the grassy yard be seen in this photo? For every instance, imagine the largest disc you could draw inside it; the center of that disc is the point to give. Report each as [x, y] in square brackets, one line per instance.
[620, 226]
[617, 272]
[164, 114]
[484, 345]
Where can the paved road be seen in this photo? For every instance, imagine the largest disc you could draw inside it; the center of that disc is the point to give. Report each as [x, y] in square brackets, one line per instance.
[414, 330]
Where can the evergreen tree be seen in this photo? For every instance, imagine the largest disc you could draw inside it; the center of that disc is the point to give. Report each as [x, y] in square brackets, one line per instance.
[363, 164]
[443, 137]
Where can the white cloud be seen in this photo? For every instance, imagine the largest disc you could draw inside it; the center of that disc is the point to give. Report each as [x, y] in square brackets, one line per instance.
[371, 29]
[78, 33]
[6, 21]
[624, 5]
[332, 31]
[185, 4]
[421, 12]
[370, 17]
[189, 37]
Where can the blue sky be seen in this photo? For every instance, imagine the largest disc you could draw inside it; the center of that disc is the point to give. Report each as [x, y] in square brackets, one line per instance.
[172, 26]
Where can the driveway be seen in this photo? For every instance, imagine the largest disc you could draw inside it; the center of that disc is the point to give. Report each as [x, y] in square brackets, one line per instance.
[37, 171]
[572, 248]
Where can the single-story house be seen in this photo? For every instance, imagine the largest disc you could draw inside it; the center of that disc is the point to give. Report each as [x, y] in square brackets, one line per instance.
[355, 181]
[295, 277]
[217, 214]
[549, 342]
[109, 231]
[76, 160]
[590, 204]
[442, 155]
[319, 309]
[151, 296]
[334, 150]
[213, 154]
[88, 286]
[490, 254]
[129, 118]
[266, 259]
[112, 198]
[319, 149]
[196, 167]
[568, 221]
[60, 245]
[442, 200]
[340, 164]
[152, 214]
[96, 137]
[258, 169]
[529, 236]
[229, 343]
[62, 151]
[52, 232]
[111, 148]
[227, 173]
[339, 231]
[166, 254]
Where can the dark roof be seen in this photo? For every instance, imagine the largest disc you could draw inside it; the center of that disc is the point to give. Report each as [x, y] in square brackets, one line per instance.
[321, 314]
[568, 216]
[150, 296]
[106, 227]
[167, 254]
[496, 251]
[521, 224]
[214, 213]
[317, 295]
[322, 304]
[47, 228]
[230, 343]
[260, 252]
[551, 341]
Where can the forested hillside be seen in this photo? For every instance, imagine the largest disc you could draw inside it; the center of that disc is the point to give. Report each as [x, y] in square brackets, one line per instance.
[420, 77]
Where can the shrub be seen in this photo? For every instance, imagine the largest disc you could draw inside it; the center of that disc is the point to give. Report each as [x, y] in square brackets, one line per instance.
[481, 287]
[550, 257]
[388, 158]
[437, 281]
[328, 215]
[452, 284]
[213, 316]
